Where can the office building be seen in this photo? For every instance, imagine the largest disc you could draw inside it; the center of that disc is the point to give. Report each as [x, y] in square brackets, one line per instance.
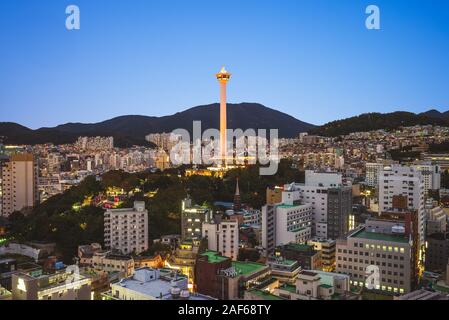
[437, 252]
[126, 230]
[383, 248]
[192, 219]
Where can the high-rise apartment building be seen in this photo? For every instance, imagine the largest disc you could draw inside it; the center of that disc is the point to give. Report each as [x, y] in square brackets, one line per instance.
[402, 188]
[373, 169]
[126, 230]
[430, 174]
[18, 182]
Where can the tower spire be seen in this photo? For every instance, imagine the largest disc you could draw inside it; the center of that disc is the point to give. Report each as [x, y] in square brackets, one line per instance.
[237, 200]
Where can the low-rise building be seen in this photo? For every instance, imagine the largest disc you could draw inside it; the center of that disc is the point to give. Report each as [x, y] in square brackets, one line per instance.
[154, 262]
[224, 279]
[307, 257]
[423, 294]
[109, 262]
[285, 270]
[63, 285]
[316, 285]
[327, 249]
[153, 284]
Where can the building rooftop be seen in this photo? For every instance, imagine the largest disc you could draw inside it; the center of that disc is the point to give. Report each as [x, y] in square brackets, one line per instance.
[264, 295]
[300, 247]
[363, 234]
[287, 206]
[247, 268]
[214, 257]
[288, 287]
[157, 284]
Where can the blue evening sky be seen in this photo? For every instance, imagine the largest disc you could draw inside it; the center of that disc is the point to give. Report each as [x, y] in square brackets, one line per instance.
[312, 59]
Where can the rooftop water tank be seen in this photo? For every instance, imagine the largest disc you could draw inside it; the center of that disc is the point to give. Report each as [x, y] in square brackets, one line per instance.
[185, 294]
[398, 229]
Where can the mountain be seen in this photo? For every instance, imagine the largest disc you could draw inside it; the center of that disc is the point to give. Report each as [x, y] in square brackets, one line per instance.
[132, 129]
[436, 114]
[376, 121]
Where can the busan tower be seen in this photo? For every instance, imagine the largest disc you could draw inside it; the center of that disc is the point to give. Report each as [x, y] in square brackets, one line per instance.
[223, 77]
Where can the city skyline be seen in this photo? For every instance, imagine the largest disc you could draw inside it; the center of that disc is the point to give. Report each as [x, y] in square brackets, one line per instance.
[128, 59]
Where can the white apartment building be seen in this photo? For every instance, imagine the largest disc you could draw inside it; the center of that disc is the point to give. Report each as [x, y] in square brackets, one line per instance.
[431, 176]
[373, 169]
[223, 237]
[397, 180]
[286, 222]
[18, 183]
[126, 230]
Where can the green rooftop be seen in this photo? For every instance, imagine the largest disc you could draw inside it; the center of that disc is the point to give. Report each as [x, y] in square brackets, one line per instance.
[264, 295]
[363, 234]
[247, 268]
[288, 287]
[214, 257]
[299, 246]
[287, 206]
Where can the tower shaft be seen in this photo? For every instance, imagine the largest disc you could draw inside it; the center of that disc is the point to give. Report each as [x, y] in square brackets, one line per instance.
[223, 122]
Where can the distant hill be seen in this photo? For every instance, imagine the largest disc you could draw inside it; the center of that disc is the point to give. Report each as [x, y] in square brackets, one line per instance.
[376, 121]
[436, 114]
[132, 129]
